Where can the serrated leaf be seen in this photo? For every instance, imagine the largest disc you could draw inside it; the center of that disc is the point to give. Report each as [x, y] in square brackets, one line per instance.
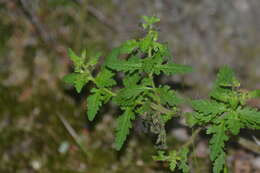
[190, 118]
[208, 107]
[131, 65]
[127, 96]
[233, 123]
[169, 96]
[221, 94]
[93, 59]
[112, 57]
[124, 124]
[105, 78]
[183, 165]
[171, 69]
[146, 43]
[250, 117]
[226, 77]
[71, 78]
[78, 80]
[149, 21]
[219, 163]
[77, 60]
[217, 142]
[131, 80]
[172, 160]
[128, 46]
[94, 103]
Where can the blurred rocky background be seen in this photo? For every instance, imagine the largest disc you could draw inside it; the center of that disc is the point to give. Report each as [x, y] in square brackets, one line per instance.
[43, 125]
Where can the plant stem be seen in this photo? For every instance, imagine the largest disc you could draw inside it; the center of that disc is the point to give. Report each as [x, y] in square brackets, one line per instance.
[110, 92]
[249, 145]
[193, 137]
[162, 109]
[74, 135]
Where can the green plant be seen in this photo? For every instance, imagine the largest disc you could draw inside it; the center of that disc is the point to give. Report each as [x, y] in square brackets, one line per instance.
[140, 61]
[224, 114]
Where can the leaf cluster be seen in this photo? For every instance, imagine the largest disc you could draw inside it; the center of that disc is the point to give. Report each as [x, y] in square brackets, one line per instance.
[140, 61]
[175, 159]
[83, 74]
[224, 114]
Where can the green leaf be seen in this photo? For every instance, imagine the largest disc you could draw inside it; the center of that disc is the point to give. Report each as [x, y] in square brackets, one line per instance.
[172, 160]
[131, 80]
[169, 96]
[124, 124]
[146, 43]
[71, 78]
[250, 117]
[131, 65]
[94, 103]
[77, 79]
[222, 94]
[127, 96]
[80, 82]
[105, 78]
[171, 68]
[191, 119]
[226, 78]
[149, 21]
[183, 165]
[93, 60]
[112, 58]
[219, 163]
[233, 122]
[128, 46]
[75, 58]
[217, 142]
[208, 107]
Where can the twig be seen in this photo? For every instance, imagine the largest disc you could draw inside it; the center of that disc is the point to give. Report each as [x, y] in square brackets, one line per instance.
[249, 145]
[73, 134]
[192, 138]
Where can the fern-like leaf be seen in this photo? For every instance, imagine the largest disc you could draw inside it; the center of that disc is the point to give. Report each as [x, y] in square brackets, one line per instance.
[172, 159]
[77, 79]
[217, 142]
[183, 165]
[250, 117]
[226, 77]
[169, 96]
[208, 107]
[233, 122]
[124, 124]
[171, 69]
[104, 78]
[219, 162]
[94, 103]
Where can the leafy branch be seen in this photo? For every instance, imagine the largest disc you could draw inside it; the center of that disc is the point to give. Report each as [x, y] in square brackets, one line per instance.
[223, 114]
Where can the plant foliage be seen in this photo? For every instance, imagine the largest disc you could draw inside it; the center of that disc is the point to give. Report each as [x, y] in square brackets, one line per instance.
[140, 61]
[224, 114]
